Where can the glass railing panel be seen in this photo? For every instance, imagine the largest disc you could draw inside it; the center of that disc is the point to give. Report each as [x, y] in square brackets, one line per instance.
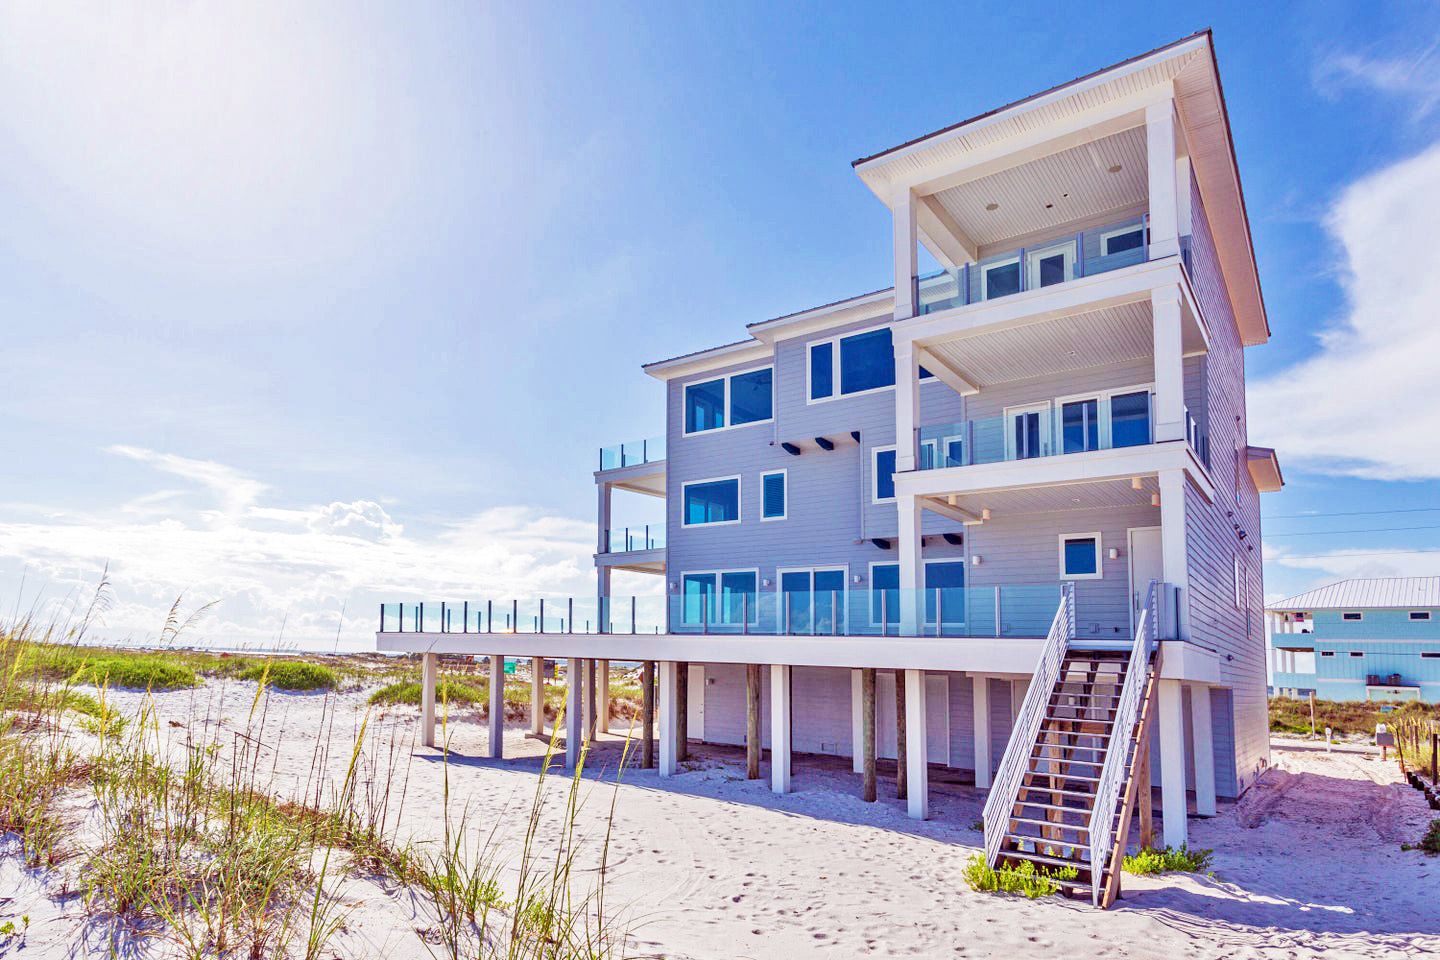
[632, 453]
[1121, 244]
[628, 539]
[941, 291]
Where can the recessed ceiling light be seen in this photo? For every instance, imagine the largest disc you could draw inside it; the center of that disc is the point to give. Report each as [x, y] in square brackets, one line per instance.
[992, 206]
[1114, 168]
[1064, 196]
[1049, 206]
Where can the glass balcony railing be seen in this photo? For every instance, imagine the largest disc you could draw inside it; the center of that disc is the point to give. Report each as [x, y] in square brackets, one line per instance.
[1047, 430]
[632, 453]
[1021, 610]
[628, 539]
[1068, 257]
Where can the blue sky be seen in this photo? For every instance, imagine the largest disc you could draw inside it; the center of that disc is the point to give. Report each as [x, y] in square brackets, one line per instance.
[309, 305]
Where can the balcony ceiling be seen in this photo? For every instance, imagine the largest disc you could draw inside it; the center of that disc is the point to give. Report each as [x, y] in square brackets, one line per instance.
[1076, 182]
[1089, 495]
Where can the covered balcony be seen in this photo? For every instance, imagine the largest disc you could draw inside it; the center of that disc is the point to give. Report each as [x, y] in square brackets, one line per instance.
[636, 467]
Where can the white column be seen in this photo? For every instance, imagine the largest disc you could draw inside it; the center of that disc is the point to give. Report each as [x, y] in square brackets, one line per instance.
[574, 711]
[429, 674]
[603, 682]
[780, 727]
[980, 700]
[602, 518]
[1203, 744]
[1169, 364]
[1172, 762]
[1174, 551]
[668, 717]
[495, 744]
[917, 768]
[903, 207]
[907, 405]
[857, 722]
[908, 545]
[1164, 206]
[537, 695]
[1186, 214]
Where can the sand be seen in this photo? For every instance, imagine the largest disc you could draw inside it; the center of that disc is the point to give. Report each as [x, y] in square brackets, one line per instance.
[709, 865]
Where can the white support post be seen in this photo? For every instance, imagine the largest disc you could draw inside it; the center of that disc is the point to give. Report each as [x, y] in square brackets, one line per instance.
[917, 768]
[1174, 552]
[495, 744]
[980, 700]
[669, 718]
[587, 698]
[1172, 762]
[857, 721]
[908, 545]
[1186, 212]
[1164, 205]
[602, 518]
[537, 695]
[429, 675]
[780, 727]
[907, 405]
[1165, 309]
[574, 711]
[1203, 745]
[903, 208]
[602, 708]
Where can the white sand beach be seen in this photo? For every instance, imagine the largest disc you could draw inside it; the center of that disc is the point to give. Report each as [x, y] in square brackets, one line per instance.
[709, 865]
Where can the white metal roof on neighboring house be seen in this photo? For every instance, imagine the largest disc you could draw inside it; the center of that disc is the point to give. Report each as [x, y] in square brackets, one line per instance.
[1371, 594]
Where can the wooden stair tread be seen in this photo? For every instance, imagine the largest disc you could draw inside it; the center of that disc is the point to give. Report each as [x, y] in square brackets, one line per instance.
[1053, 824]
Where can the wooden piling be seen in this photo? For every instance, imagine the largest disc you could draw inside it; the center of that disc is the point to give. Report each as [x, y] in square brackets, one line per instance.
[901, 774]
[647, 715]
[1144, 796]
[752, 721]
[682, 711]
[867, 726]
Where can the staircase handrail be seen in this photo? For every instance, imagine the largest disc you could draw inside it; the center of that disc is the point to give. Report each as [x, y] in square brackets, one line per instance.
[1005, 788]
[1122, 734]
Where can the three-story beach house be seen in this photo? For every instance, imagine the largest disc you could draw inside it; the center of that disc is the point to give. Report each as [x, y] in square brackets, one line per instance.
[1002, 517]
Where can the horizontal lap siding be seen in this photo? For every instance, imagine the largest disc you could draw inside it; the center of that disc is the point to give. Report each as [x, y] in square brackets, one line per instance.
[1213, 540]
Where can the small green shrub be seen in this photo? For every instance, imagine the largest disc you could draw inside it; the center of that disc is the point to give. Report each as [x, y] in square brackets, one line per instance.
[1169, 860]
[292, 675]
[449, 691]
[1026, 879]
[1430, 843]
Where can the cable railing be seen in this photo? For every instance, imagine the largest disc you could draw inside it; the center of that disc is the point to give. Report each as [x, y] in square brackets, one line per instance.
[1117, 758]
[1006, 785]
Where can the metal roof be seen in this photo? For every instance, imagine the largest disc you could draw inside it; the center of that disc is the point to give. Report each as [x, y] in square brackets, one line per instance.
[1379, 592]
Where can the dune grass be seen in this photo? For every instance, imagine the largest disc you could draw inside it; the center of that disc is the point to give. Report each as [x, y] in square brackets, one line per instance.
[1344, 718]
[1169, 860]
[291, 675]
[1026, 880]
[455, 692]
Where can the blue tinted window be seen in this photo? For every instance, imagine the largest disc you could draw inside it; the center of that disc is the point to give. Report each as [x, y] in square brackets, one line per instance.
[1081, 557]
[1130, 419]
[716, 501]
[885, 475]
[945, 590]
[699, 597]
[1080, 426]
[704, 406]
[772, 495]
[885, 593]
[1002, 280]
[822, 371]
[1120, 242]
[737, 598]
[867, 361]
[751, 396]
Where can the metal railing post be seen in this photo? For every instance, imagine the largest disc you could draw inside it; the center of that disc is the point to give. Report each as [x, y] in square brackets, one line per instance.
[787, 610]
[382, 618]
[744, 613]
[465, 618]
[704, 613]
[542, 614]
[997, 610]
[884, 613]
[834, 624]
[515, 616]
[420, 617]
[569, 614]
[632, 613]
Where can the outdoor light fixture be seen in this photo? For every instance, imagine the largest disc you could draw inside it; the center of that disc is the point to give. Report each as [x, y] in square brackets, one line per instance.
[1114, 553]
[975, 560]
[984, 513]
[855, 578]
[1135, 483]
[1154, 499]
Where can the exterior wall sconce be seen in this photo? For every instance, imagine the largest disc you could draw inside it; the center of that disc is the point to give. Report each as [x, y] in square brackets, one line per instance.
[765, 582]
[984, 513]
[1154, 499]
[1114, 553]
[1135, 483]
[975, 560]
[855, 578]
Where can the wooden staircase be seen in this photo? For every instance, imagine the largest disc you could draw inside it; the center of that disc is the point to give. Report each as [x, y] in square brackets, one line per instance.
[1051, 821]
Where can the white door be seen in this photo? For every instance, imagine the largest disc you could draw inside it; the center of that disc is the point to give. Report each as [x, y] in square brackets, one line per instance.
[1146, 563]
[1027, 431]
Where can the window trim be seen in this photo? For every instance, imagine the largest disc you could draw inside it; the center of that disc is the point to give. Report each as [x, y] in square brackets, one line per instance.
[1033, 257]
[783, 473]
[739, 503]
[1352, 616]
[718, 574]
[1103, 400]
[726, 378]
[834, 341]
[1099, 556]
[1108, 235]
[875, 472]
[1420, 616]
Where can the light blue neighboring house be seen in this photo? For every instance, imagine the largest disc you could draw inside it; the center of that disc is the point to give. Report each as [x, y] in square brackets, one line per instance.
[1374, 639]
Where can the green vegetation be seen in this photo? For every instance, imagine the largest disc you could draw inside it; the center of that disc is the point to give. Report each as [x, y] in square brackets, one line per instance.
[447, 691]
[1344, 717]
[291, 675]
[1026, 879]
[1169, 860]
[1429, 843]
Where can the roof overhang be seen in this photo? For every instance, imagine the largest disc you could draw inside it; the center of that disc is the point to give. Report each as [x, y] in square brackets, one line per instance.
[1264, 469]
[703, 361]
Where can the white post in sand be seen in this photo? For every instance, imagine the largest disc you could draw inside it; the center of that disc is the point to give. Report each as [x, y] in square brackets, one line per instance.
[857, 720]
[429, 671]
[537, 695]
[603, 707]
[780, 727]
[1172, 762]
[669, 718]
[980, 699]
[917, 769]
[495, 746]
[1202, 742]
[574, 714]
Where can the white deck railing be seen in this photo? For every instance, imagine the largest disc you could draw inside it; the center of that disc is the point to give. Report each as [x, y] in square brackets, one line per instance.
[1117, 758]
[1013, 765]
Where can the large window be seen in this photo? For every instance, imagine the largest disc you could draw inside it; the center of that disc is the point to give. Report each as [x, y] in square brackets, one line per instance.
[857, 363]
[1130, 419]
[1080, 556]
[711, 502]
[720, 597]
[944, 592]
[772, 495]
[734, 401]
[883, 471]
[812, 600]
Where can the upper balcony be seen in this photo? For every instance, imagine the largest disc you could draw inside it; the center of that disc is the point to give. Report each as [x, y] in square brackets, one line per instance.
[635, 465]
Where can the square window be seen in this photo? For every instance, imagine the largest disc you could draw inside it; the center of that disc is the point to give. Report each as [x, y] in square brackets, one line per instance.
[1000, 279]
[867, 361]
[711, 501]
[752, 396]
[883, 488]
[1080, 556]
[704, 406]
[772, 495]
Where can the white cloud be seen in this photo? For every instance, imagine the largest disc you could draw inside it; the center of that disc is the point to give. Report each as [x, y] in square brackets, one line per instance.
[1415, 77]
[1358, 562]
[270, 566]
[1363, 405]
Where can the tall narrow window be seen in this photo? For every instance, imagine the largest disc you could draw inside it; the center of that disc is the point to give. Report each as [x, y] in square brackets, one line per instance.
[822, 370]
[945, 592]
[772, 495]
[885, 593]
[1130, 419]
[704, 406]
[1080, 426]
[883, 468]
